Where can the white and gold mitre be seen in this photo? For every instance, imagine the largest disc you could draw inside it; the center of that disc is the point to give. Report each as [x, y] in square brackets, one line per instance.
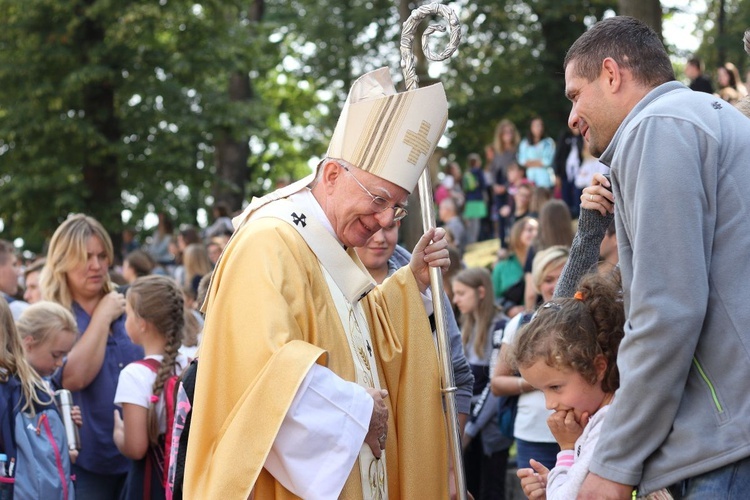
[389, 134]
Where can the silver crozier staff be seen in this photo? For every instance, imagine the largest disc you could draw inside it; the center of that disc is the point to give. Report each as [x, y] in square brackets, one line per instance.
[408, 66]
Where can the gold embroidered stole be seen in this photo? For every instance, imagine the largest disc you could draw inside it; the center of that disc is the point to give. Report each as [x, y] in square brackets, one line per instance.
[348, 282]
[372, 470]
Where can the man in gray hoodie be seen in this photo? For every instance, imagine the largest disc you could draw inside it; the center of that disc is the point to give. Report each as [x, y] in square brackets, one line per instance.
[679, 166]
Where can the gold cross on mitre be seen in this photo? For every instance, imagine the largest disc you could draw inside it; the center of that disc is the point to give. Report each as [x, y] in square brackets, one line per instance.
[418, 142]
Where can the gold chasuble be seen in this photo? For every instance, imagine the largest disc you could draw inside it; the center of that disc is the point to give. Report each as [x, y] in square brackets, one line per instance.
[270, 316]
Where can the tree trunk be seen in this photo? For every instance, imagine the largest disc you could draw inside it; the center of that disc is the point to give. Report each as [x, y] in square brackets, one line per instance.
[99, 165]
[721, 33]
[232, 153]
[648, 11]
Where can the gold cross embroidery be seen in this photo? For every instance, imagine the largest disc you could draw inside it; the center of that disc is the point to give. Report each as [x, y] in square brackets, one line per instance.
[418, 142]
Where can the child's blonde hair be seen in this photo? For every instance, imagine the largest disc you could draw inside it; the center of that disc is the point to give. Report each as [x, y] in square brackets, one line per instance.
[44, 319]
[569, 333]
[159, 300]
[13, 362]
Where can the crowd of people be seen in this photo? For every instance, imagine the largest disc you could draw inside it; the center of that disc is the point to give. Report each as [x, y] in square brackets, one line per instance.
[602, 360]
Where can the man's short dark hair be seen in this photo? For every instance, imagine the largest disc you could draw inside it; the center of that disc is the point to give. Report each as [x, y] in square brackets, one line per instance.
[631, 43]
[694, 61]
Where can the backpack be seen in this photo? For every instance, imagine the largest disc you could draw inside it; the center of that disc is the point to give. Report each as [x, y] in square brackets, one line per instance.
[158, 460]
[38, 463]
[181, 431]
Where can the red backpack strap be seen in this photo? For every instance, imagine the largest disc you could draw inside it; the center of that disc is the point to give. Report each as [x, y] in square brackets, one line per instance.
[149, 362]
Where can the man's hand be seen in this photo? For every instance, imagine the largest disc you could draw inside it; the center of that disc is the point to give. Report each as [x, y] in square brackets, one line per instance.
[566, 428]
[534, 480]
[378, 432]
[597, 488]
[431, 251]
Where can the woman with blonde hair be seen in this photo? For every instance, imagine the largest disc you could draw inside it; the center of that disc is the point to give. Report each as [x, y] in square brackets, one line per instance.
[76, 277]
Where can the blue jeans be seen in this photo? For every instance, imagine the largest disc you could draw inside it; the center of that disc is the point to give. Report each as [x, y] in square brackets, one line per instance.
[731, 482]
[92, 486]
[545, 453]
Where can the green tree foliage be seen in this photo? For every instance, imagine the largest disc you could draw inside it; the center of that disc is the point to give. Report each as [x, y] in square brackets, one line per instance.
[110, 106]
[736, 21]
[119, 106]
[510, 66]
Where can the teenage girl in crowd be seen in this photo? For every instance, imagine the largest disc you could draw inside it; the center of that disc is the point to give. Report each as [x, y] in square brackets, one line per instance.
[18, 376]
[485, 447]
[507, 275]
[155, 320]
[536, 153]
[569, 353]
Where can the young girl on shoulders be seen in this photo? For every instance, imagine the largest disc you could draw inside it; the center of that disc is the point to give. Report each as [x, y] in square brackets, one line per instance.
[569, 352]
[155, 320]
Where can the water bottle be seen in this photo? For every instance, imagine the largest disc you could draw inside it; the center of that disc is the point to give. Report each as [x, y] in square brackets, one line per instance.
[3, 465]
[65, 404]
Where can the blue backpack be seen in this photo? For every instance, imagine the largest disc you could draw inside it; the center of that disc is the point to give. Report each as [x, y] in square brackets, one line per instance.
[38, 462]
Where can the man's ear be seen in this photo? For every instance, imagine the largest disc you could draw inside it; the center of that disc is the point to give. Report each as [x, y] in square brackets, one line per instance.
[612, 74]
[331, 174]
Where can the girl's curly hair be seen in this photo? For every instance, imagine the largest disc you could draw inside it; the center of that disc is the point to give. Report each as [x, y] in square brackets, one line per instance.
[569, 333]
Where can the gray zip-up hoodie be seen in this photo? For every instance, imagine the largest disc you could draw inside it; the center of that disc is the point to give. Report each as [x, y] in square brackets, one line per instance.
[681, 177]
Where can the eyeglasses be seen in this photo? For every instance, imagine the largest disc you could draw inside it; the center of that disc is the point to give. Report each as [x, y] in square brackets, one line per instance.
[379, 204]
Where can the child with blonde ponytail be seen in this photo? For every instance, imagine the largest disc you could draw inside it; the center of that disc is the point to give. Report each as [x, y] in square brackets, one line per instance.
[33, 462]
[155, 320]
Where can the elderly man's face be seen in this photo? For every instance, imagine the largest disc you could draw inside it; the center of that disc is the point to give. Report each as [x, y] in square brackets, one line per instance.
[350, 210]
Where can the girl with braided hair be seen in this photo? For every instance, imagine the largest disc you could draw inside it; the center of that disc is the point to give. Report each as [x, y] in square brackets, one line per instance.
[155, 320]
[569, 352]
